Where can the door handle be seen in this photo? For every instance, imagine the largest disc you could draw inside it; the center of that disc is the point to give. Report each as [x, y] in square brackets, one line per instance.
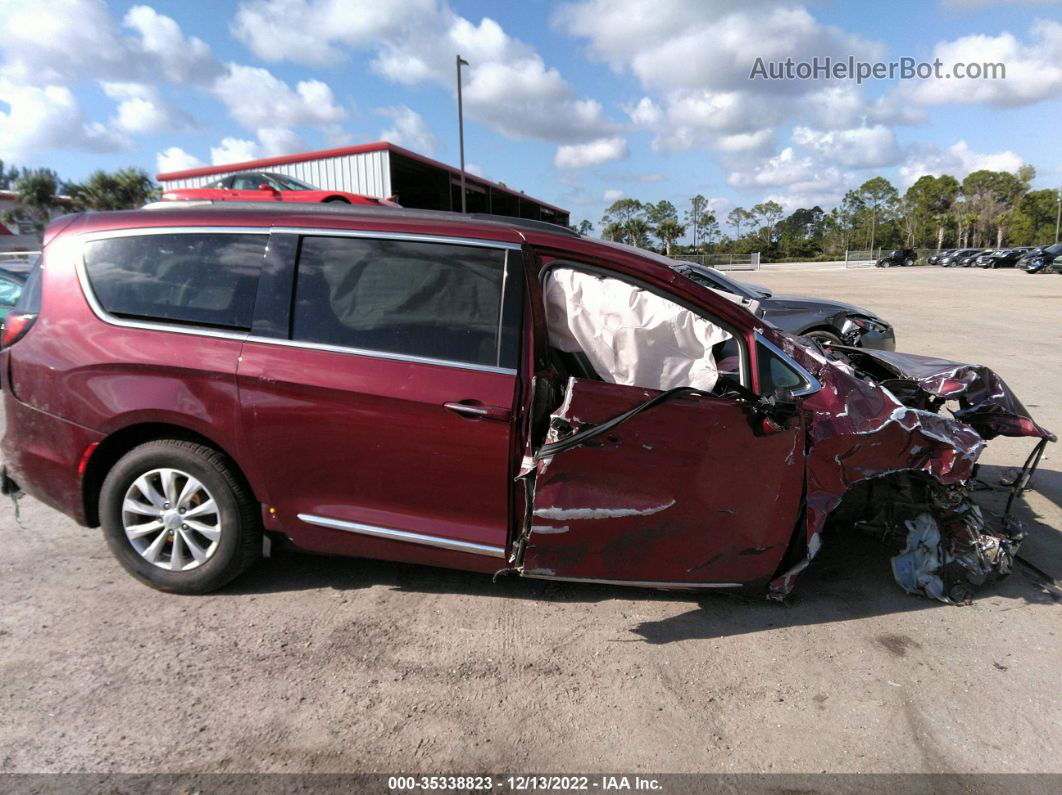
[479, 412]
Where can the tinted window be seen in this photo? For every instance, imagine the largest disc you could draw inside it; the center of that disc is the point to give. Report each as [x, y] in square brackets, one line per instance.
[432, 300]
[199, 279]
[249, 181]
[774, 373]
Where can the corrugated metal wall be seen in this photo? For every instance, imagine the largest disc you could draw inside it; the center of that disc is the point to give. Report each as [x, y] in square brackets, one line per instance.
[368, 174]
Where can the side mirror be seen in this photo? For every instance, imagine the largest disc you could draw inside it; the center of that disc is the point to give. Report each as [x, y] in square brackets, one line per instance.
[265, 186]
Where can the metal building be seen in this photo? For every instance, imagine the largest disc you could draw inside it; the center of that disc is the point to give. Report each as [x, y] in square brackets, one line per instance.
[383, 169]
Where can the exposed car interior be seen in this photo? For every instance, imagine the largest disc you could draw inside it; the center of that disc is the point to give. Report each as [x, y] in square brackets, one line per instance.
[611, 330]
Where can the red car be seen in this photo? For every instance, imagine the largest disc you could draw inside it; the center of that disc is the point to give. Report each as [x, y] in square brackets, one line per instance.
[269, 186]
[491, 395]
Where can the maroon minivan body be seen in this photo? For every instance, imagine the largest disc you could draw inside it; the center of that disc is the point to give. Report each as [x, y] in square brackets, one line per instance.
[461, 439]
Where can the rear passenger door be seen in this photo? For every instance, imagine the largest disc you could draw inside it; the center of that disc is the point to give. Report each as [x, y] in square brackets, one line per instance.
[379, 398]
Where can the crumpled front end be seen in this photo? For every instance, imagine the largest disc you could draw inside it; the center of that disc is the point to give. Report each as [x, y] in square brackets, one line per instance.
[874, 429]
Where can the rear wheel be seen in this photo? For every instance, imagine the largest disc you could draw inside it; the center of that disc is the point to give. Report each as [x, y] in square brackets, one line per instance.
[177, 517]
[907, 263]
[335, 200]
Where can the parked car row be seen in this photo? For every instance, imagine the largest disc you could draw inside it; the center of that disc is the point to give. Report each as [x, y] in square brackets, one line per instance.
[1028, 258]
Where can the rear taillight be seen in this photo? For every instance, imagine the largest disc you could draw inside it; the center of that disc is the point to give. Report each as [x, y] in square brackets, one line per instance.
[15, 327]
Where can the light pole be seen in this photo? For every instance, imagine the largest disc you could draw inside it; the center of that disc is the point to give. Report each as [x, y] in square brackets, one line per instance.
[1058, 215]
[461, 127]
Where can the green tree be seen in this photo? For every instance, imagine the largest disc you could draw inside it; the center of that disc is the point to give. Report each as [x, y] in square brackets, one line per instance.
[669, 230]
[700, 218]
[1033, 220]
[879, 196]
[37, 198]
[738, 218]
[636, 232]
[584, 227]
[8, 176]
[770, 213]
[612, 230]
[621, 211]
[125, 189]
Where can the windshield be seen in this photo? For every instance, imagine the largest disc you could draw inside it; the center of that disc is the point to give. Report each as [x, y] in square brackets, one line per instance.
[715, 280]
[289, 183]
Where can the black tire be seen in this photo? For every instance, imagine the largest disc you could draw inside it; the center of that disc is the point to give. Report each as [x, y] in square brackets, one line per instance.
[907, 263]
[335, 200]
[240, 541]
[824, 336]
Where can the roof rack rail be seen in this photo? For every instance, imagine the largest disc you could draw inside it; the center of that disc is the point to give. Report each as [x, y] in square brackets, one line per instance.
[336, 208]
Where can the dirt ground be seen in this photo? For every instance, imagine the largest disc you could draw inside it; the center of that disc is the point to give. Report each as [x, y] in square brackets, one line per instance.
[317, 664]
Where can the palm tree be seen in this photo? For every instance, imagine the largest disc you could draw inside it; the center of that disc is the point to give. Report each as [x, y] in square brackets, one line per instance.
[37, 197]
[126, 189]
[669, 230]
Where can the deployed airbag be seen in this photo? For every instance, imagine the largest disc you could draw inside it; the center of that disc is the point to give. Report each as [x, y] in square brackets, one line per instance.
[630, 335]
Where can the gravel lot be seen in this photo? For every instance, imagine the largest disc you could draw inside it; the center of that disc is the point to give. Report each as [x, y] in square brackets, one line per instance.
[317, 664]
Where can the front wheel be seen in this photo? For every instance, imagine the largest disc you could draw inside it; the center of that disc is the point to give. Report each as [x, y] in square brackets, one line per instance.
[824, 336]
[178, 517]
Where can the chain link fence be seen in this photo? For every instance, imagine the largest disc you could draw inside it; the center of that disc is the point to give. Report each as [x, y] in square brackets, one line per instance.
[861, 258]
[724, 262]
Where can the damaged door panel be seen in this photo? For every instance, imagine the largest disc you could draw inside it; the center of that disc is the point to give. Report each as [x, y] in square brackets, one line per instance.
[690, 493]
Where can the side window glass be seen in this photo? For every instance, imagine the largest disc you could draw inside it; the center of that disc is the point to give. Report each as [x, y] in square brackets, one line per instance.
[246, 182]
[430, 300]
[775, 373]
[196, 279]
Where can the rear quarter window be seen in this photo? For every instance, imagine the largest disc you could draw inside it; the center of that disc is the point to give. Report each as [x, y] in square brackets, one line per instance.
[194, 279]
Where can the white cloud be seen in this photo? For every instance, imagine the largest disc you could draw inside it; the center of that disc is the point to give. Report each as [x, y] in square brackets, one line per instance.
[1033, 69]
[63, 41]
[47, 48]
[475, 168]
[176, 159]
[307, 31]
[803, 180]
[180, 59]
[256, 98]
[745, 142]
[589, 154]
[612, 195]
[861, 147]
[45, 118]
[958, 160]
[141, 109]
[670, 44]
[409, 129]
[277, 141]
[234, 150]
[507, 85]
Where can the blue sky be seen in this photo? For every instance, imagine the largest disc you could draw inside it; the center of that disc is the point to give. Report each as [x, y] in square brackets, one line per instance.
[576, 103]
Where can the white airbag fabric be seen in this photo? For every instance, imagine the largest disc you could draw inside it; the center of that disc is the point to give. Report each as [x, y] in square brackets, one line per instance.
[630, 336]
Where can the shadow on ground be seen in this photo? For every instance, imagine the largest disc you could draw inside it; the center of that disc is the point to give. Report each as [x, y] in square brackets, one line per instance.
[850, 579]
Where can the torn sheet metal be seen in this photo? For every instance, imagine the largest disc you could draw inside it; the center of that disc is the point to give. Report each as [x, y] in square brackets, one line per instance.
[630, 335]
[860, 429]
[985, 402]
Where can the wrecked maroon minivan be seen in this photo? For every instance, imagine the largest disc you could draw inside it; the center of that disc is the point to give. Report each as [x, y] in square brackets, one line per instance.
[481, 393]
